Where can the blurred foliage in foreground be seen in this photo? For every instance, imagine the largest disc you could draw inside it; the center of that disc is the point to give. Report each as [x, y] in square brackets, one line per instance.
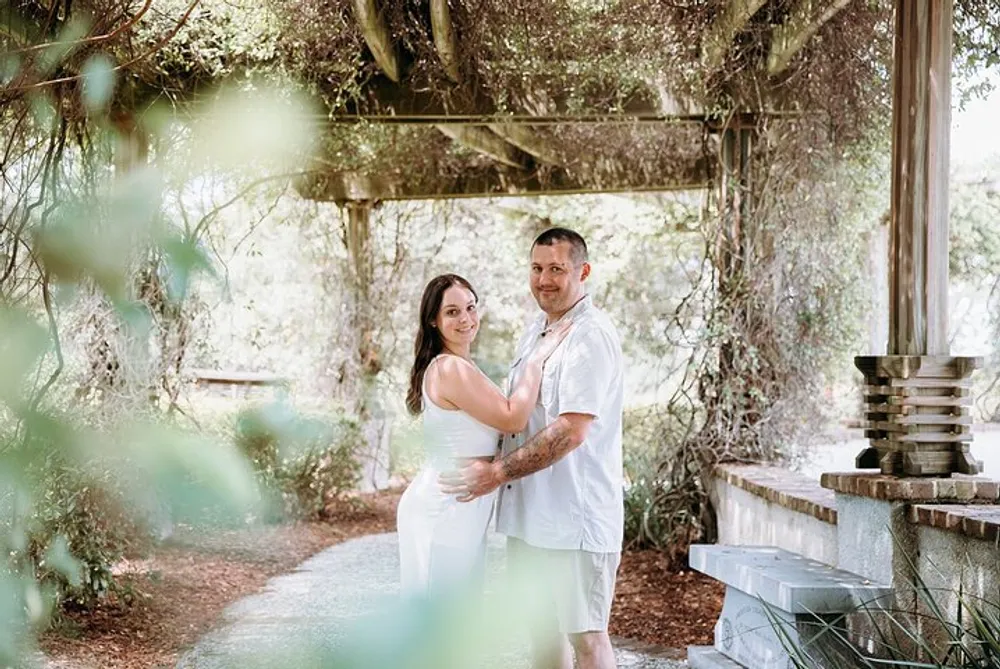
[93, 454]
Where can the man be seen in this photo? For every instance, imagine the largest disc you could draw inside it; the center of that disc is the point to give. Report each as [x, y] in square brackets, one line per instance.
[560, 502]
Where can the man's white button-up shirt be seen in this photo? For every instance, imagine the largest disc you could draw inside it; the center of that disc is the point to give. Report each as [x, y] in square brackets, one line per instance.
[577, 503]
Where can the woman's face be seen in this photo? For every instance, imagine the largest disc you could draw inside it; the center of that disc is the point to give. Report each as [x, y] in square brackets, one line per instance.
[458, 317]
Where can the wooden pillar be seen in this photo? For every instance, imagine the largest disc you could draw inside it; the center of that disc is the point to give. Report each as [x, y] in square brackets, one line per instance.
[369, 408]
[921, 119]
[732, 250]
[735, 198]
[917, 397]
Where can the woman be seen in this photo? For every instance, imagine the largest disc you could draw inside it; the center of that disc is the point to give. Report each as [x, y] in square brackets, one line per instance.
[442, 542]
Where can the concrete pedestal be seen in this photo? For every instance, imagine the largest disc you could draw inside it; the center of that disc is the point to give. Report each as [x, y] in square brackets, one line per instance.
[776, 600]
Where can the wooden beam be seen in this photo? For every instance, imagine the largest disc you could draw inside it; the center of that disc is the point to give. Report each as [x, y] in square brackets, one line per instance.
[486, 142]
[502, 118]
[481, 181]
[444, 38]
[525, 138]
[382, 100]
[377, 37]
[921, 119]
[728, 23]
[805, 20]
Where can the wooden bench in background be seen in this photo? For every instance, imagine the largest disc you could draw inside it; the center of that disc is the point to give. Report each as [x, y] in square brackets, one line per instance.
[237, 382]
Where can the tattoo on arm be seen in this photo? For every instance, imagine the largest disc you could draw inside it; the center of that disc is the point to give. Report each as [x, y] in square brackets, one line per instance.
[544, 449]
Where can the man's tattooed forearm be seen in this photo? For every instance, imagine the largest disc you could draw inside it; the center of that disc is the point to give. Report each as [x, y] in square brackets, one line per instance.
[546, 448]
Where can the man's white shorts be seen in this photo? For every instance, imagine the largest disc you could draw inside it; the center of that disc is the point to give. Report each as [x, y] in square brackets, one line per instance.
[579, 585]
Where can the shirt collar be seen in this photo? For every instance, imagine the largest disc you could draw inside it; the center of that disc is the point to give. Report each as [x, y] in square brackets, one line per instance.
[585, 303]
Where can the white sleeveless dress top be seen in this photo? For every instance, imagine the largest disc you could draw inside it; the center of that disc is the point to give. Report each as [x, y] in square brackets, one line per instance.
[451, 433]
[442, 542]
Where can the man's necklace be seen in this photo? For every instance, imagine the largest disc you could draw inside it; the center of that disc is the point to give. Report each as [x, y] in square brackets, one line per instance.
[548, 328]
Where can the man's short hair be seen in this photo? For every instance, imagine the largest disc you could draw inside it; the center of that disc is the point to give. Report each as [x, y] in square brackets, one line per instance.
[578, 247]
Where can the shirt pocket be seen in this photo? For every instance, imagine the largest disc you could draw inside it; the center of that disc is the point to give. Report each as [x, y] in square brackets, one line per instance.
[550, 384]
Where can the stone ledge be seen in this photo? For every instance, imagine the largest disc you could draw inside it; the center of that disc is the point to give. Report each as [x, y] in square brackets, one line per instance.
[785, 488]
[786, 581]
[957, 488]
[979, 521]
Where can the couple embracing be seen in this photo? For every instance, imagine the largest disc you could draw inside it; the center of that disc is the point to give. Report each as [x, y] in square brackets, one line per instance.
[555, 487]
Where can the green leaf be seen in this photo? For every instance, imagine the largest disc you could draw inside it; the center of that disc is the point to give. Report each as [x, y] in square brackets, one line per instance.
[22, 343]
[58, 51]
[102, 242]
[98, 81]
[185, 258]
[14, 631]
[191, 473]
[59, 559]
[10, 67]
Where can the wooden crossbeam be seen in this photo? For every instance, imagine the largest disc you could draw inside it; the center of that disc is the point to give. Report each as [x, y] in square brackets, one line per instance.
[487, 142]
[728, 23]
[444, 38]
[376, 35]
[804, 21]
[482, 139]
[480, 181]
[382, 100]
[500, 118]
[525, 138]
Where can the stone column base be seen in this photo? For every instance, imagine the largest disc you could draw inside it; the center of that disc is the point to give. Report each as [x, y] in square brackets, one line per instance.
[917, 414]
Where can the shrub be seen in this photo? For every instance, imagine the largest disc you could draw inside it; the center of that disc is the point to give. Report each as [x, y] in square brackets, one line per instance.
[658, 513]
[302, 464]
[94, 528]
[73, 528]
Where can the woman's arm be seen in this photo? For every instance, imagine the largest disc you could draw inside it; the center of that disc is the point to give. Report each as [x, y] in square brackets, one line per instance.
[460, 384]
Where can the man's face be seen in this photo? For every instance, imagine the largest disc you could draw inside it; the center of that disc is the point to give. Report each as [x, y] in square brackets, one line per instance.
[556, 282]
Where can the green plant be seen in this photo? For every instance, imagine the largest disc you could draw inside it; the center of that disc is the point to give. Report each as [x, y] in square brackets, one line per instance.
[302, 464]
[929, 637]
[89, 522]
[657, 511]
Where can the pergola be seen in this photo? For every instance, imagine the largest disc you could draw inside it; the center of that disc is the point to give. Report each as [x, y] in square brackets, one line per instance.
[467, 143]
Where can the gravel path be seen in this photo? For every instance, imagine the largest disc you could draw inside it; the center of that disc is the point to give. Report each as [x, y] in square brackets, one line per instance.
[341, 609]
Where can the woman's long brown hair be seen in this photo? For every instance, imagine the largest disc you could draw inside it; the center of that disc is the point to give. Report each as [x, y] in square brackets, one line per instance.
[429, 343]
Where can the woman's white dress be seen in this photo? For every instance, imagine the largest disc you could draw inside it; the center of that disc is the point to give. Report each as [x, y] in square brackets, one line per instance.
[442, 542]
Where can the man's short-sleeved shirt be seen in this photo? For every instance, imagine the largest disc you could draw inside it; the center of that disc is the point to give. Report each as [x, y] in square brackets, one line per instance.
[577, 503]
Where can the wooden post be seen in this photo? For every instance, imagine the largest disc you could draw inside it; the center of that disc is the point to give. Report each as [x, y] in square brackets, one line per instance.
[917, 397]
[735, 197]
[736, 210]
[921, 118]
[368, 404]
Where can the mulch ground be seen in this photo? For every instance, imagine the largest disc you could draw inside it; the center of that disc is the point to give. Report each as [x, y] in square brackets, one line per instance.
[177, 592]
[662, 606]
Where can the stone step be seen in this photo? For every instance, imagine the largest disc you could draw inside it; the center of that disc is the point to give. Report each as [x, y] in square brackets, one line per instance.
[787, 581]
[706, 657]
